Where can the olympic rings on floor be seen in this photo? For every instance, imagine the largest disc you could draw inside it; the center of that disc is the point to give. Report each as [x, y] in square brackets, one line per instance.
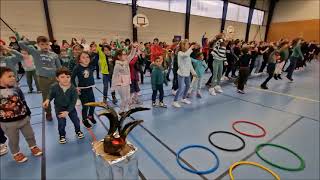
[225, 149]
[246, 134]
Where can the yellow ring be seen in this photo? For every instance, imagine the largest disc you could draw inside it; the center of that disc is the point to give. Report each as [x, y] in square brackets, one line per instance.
[253, 164]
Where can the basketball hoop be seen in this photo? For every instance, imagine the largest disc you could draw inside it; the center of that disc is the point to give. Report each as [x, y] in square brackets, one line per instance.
[140, 20]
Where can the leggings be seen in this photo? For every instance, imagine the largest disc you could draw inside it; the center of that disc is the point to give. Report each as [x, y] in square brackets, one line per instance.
[124, 93]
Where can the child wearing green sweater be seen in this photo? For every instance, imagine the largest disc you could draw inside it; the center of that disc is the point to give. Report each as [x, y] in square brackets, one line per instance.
[65, 97]
[157, 80]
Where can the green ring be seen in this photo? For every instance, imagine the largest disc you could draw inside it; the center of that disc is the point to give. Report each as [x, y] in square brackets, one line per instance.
[302, 162]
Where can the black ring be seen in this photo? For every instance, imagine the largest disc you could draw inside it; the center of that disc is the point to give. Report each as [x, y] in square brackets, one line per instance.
[224, 149]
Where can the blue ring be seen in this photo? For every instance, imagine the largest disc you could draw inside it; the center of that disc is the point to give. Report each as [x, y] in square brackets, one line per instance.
[195, 171]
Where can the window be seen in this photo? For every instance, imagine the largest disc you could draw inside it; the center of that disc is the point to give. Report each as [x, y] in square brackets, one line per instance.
[155, 4]
[177, 6]
[257, 17]
[166, 5]
[119, 1]
[207, 8]
[237, 13]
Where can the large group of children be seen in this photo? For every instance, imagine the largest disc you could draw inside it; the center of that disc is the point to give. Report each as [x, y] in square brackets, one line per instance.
[66, 73]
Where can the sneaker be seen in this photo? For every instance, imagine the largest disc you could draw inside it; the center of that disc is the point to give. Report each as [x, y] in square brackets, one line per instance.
[98, 77]
[290, 79]
[199, 95]
[86, 124]
[3, 149]
[39, 92]
[163, 105]
[241, 91]
[174, 92]
[189, 95]
[218, 89]
[154, 104]
[279, 76]
[114, 99]
[263, 86]
[176, 104]
[36, 151]
[30, 91]
[105, 100]
[91, 118]
[80, 135]
[19, 157]
[275, 77]
[186, 101]
[62, 140]
[49, 117]
[212, 92]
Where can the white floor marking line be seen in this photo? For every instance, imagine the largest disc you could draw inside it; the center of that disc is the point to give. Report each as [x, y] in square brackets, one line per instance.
[289, 95]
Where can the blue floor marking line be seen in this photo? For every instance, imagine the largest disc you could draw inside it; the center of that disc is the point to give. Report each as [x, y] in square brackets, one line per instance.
[43, 157]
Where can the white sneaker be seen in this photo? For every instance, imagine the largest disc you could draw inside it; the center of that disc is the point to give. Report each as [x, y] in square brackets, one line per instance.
[3, 149]
[174, 92]
[186, 101]
[176, 104]
[218, 89]
[212, 92]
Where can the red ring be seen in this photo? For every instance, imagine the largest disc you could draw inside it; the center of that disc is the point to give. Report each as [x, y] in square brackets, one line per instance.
[246, 134]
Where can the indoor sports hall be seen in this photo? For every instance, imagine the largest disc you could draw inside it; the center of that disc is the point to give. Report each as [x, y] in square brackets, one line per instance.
[251, 111]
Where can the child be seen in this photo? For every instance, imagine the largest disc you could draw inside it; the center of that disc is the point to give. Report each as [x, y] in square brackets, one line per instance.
[64, 58]
[65, 97]
[15, 116]
[46, 63]
[121, 76]
[9, 60]
[244, 70]
[199, 66]
[184, 70]
[30, 69]
[157, 80]
[104, 53]
[84, 73]
[134, 74]
[219, 56]
[274, 57]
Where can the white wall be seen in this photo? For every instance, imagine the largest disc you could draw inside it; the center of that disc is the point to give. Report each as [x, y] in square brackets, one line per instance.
[199, 25]
[163, 25]
[296, 10]
[90, 19]
[27, 17]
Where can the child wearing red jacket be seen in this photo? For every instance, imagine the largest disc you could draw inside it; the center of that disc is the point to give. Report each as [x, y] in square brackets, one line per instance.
[134, 75]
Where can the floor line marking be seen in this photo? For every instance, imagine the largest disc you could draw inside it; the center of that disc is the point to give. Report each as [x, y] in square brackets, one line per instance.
[269, 107]
[284, 94]
[43, 141]
[270, 140]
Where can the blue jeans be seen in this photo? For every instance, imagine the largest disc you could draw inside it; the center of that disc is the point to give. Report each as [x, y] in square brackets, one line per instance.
[106, 81]
[62, 122]
[184, 86]
[292, 66]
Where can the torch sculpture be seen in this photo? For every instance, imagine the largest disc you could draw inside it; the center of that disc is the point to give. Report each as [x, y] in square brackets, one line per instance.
[115, 141]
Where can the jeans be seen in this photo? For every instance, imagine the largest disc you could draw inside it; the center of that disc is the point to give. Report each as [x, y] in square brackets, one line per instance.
[258, 63]
[217, 72]
[106, 81]
[62, 122]
[196, 84]
[175, 84]
[159, 87]
[3, 138]
[243, 77]
[31, 75]
[292, 66]
[270, 69]
[182, 90]
[45, 84]
[86, 95]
